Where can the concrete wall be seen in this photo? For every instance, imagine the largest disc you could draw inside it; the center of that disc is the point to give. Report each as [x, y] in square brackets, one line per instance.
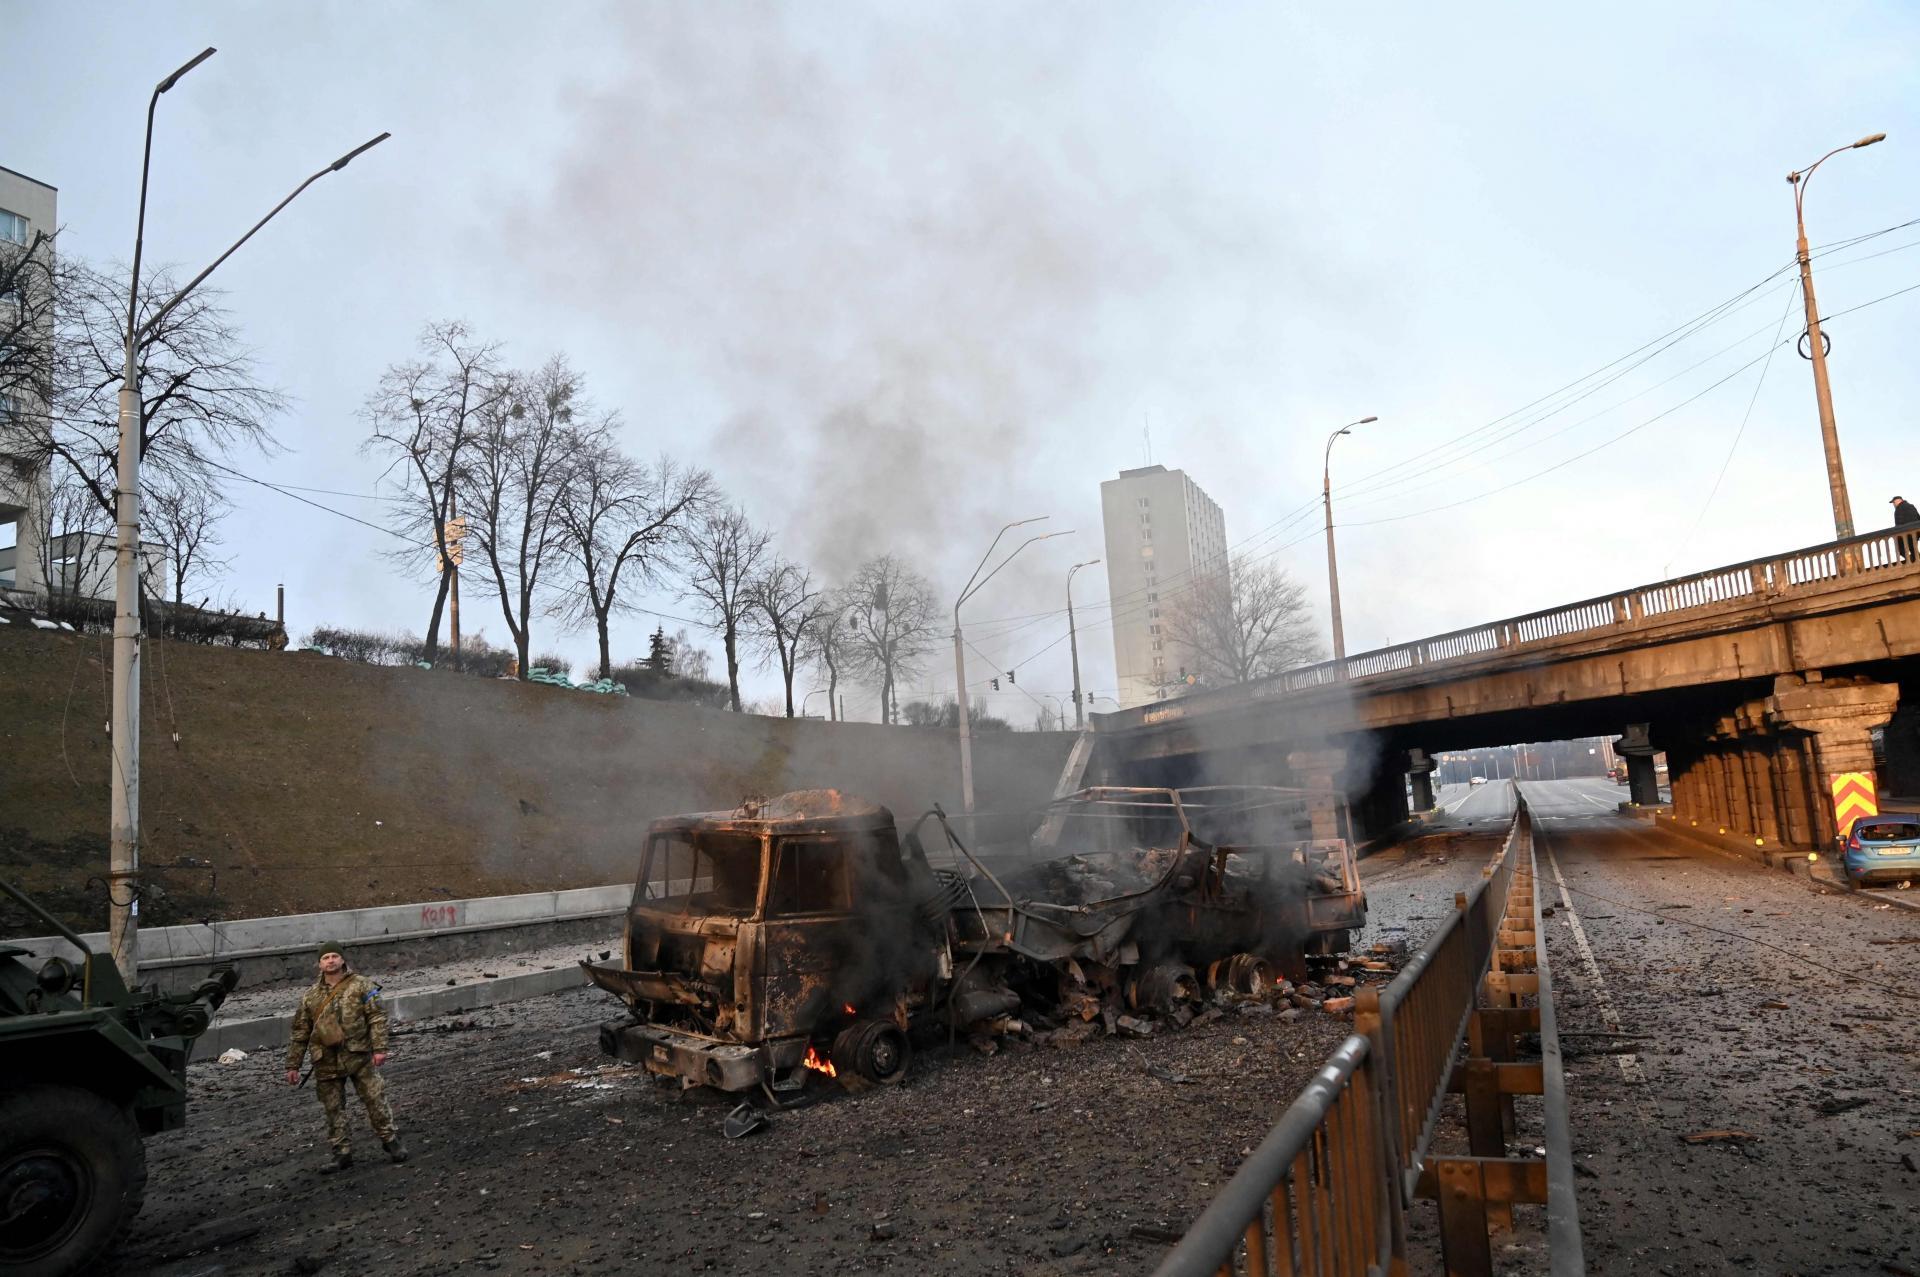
[267, 949]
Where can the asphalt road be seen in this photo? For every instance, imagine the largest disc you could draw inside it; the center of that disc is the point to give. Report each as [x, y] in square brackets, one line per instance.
[1741, 1000]
[533, 1155]
[1751, 1000]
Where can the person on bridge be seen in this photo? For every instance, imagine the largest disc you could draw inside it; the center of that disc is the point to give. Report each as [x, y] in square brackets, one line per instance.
[343, 1025]
[1905, 516]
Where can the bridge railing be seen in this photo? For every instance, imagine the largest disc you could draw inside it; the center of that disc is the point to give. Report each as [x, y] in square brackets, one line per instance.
[1815, 568]
[1326, 1192]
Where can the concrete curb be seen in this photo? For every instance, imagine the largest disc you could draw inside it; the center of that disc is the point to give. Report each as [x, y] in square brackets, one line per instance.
[261, 1032]
[198, 944]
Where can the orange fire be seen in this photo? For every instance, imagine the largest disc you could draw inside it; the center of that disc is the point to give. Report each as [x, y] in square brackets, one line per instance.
[848, 1008]
[819, 1064]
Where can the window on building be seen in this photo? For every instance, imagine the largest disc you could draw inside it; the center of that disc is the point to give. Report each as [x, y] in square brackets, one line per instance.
[1153, 629]
[13, 227]
[1156, 645]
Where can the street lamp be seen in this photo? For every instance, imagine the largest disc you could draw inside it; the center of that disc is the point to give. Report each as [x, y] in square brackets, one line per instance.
[1333, 570]
[1073, 645]
[975, 584]
[1816, 345]
[123, 893]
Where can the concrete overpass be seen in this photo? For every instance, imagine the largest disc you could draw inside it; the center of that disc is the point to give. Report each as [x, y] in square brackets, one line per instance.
[1760, 680]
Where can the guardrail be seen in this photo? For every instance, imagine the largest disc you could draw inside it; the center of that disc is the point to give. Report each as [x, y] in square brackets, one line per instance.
[1804, 571]
[1327, 1191]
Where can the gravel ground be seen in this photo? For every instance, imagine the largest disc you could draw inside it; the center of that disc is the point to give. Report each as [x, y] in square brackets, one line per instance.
[533, 1154]
[1752, 1003]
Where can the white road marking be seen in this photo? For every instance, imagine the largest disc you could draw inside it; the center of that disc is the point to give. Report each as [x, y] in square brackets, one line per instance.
[1629, 1062]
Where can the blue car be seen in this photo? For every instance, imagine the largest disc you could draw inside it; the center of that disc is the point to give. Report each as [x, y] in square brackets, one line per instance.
[1883, 848]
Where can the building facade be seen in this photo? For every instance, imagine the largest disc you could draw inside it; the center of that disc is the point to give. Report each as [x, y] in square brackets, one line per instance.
[26, 207]
[1162, 533]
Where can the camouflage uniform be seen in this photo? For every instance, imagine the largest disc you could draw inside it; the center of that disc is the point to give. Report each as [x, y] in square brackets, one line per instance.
[356, 1008]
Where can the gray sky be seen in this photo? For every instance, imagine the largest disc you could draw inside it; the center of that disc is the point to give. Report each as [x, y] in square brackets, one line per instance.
[900, 273]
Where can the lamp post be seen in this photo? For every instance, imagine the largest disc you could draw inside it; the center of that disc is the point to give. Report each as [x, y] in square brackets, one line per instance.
[805, 700]
[975, 584]
[1822, 390]
[1073, 646]
[1333, 569]
[123, 894]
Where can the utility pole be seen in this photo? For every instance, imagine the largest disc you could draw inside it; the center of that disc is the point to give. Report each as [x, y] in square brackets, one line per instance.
[1073, 646]
[1333, 567]
[975, 584]
[1816, 344]
[123, 873]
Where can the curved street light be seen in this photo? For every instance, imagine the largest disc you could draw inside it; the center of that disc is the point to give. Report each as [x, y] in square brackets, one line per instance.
[123, 917]
[975, 584]
[1822, 390]
[1333, 569]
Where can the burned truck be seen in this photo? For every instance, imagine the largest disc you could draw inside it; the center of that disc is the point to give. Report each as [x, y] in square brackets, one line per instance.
[805, 935]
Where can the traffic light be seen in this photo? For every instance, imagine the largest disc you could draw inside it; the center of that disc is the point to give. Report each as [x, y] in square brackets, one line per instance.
[1011, 678]
[996, 684]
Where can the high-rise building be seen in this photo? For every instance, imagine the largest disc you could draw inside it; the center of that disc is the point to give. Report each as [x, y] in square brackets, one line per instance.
[26, 207]
[1162, 533]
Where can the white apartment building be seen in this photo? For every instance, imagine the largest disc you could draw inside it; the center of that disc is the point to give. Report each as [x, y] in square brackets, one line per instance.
[1162, 531]
[26, 206]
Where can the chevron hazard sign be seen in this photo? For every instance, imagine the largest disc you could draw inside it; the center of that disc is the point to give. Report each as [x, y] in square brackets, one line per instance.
[1853, 797]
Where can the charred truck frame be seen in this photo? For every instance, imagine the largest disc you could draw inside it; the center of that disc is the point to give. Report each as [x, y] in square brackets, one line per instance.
[804, 935]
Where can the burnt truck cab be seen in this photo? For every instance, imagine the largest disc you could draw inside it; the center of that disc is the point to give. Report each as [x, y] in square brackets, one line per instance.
[758, 934]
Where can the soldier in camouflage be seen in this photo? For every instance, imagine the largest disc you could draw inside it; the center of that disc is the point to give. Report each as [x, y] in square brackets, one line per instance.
[343, 1025]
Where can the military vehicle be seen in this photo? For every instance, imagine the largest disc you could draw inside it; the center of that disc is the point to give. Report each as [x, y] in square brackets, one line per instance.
[805, 935]
[88, 1068]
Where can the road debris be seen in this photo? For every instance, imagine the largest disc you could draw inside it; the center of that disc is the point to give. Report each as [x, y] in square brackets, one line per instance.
[1720, 1137]
[1829, 1108]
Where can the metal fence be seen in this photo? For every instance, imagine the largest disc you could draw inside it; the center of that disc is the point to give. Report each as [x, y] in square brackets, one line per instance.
[1326, 1193]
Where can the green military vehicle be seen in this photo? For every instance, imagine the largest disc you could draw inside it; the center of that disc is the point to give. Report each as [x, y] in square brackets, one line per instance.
[87, 1069]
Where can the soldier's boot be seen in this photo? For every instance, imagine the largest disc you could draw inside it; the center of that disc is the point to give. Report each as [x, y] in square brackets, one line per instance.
[395, 1149]
[341, 1161]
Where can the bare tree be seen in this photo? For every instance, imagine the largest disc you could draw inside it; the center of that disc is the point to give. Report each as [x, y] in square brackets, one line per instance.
[725, 553]
[71, 525]
[1242, 622]
[785, 606]
[833, 645]
[514, 484]
[200, 396]
[186, 521]
[892, 623]
[621, 518]
[29, 287]
[423, 418]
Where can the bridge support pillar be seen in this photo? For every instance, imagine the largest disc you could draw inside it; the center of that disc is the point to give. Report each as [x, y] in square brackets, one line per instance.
[1643, 781]
[1420, 766]
[1322, 769]
[1836, 717]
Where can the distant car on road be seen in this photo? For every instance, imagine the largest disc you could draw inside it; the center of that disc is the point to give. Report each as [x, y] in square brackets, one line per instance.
[1882, 848]
[1478, 780]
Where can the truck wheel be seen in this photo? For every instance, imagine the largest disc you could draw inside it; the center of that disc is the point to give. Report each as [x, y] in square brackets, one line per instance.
[872, 1050]
[72, 1175]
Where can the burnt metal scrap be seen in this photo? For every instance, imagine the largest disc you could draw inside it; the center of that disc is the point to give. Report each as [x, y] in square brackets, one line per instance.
[804, 937]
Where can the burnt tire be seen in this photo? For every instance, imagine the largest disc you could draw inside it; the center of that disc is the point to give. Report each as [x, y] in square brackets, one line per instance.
[72, 1176]
[875, 1051]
